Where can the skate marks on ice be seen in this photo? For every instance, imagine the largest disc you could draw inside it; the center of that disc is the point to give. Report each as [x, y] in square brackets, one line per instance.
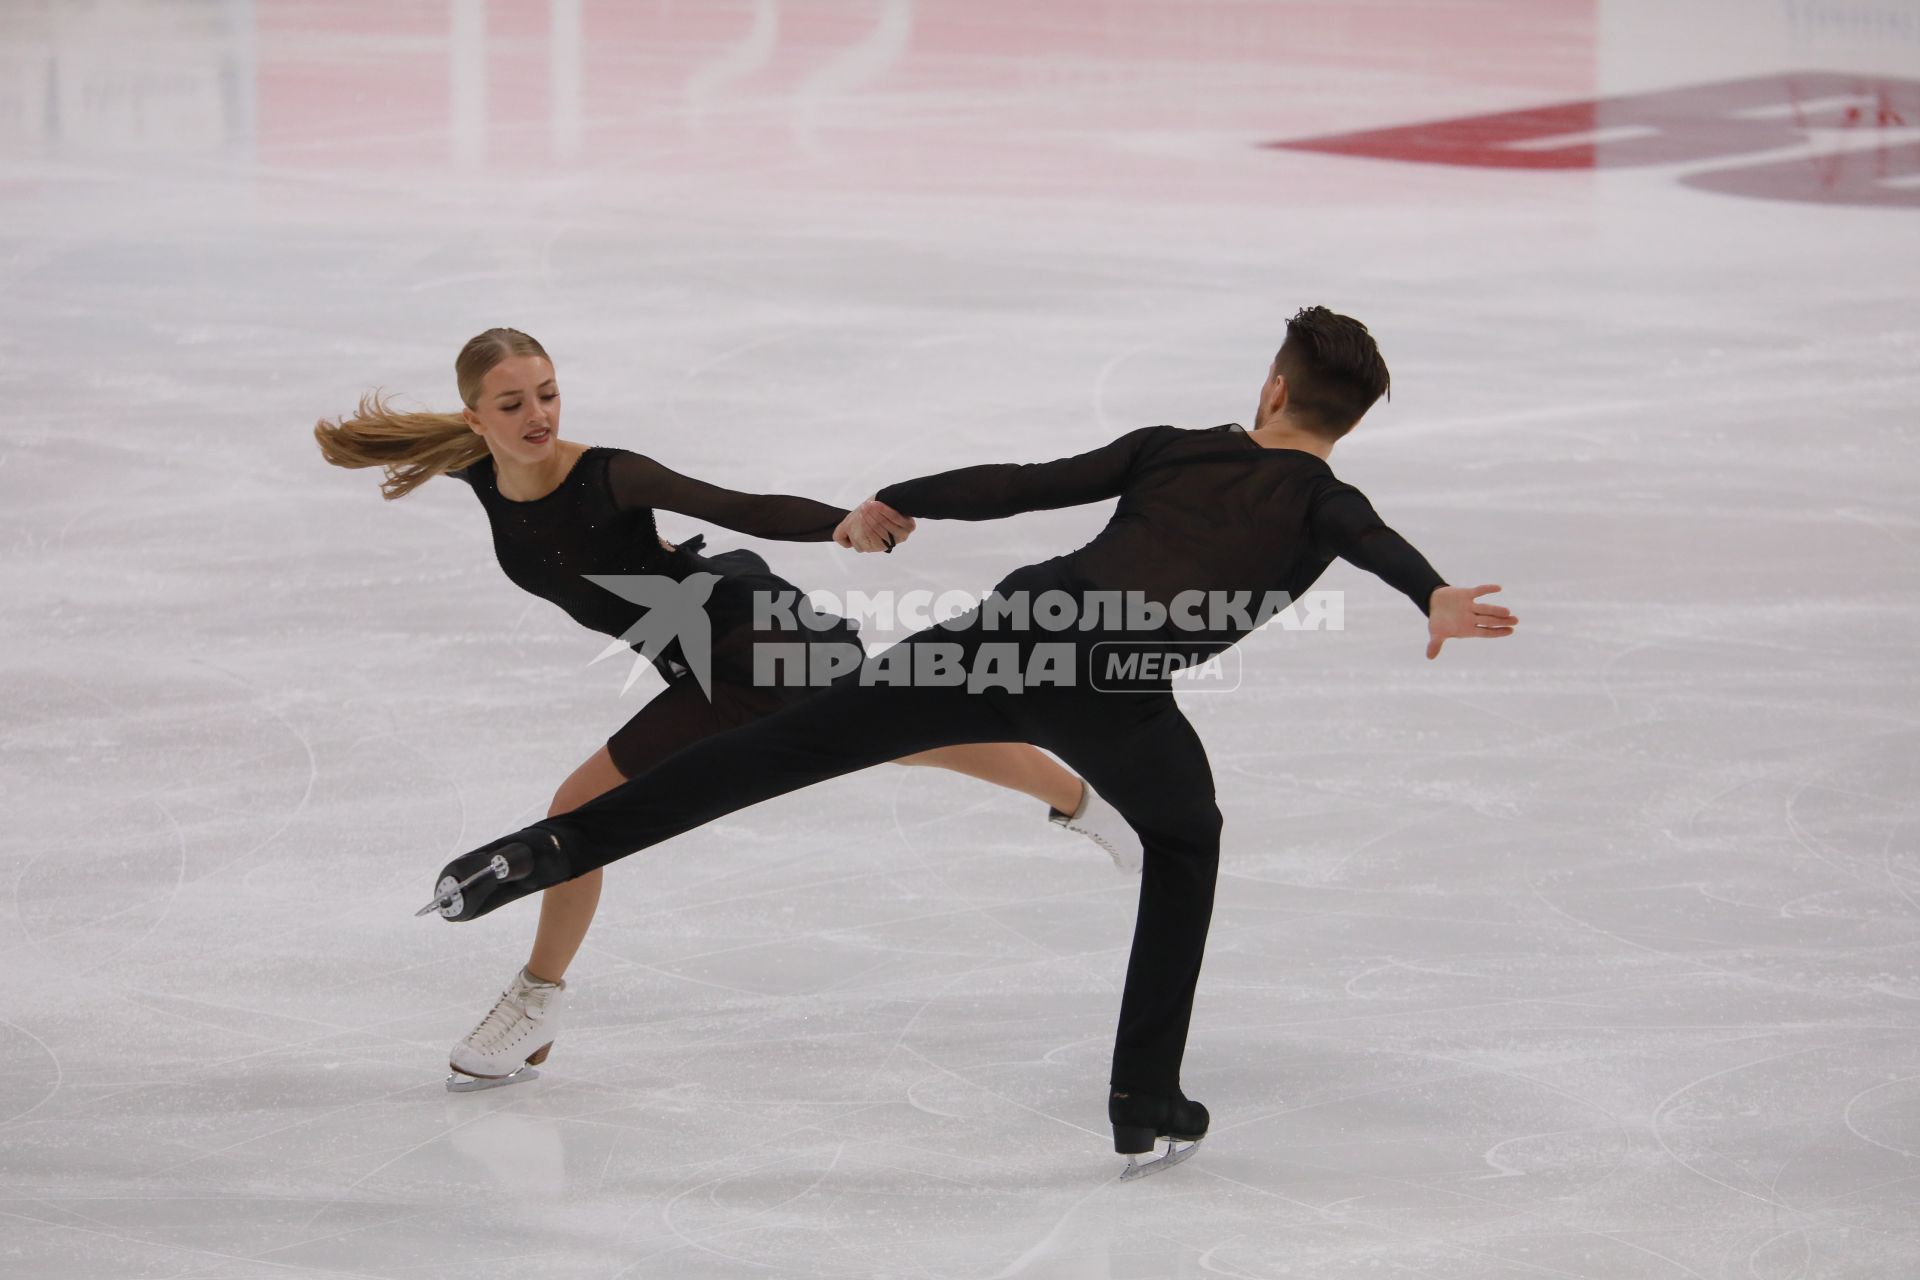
[30, 1073]
[186, 772]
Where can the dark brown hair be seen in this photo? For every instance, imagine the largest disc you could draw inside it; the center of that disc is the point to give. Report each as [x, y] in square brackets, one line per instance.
[1333, 370]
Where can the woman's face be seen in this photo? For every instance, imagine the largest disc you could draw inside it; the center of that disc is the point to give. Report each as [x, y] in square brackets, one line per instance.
[518, 410]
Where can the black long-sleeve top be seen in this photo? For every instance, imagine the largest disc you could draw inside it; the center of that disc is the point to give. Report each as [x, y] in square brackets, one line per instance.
[600, 521]
[1206, 510]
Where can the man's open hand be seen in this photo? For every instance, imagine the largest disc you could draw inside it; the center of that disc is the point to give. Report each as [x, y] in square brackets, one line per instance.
[1456, 613]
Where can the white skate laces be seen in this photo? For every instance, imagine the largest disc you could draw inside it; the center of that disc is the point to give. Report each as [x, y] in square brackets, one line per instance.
[1101, 823]
[511, 1040]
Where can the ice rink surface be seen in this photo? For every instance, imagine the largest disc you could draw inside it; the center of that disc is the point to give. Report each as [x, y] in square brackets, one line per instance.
[1593, 953]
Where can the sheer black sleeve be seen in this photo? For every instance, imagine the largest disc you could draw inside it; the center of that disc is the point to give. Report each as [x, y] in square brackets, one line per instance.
[1003, 489]
[1345, 522]
[639, 481]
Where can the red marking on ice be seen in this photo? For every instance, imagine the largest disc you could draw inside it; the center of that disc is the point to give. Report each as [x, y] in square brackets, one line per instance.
[1696, 124]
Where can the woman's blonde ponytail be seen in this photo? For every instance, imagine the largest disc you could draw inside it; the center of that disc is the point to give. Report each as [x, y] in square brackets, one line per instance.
[415, 447]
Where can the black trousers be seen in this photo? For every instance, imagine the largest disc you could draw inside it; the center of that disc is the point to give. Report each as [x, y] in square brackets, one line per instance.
[1135, 748]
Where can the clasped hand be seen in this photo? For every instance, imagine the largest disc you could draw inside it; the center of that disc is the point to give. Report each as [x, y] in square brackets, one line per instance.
[873, 526]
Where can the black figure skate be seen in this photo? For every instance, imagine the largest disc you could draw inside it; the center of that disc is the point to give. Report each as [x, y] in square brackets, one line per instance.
[1140, 1119]
[495, 874]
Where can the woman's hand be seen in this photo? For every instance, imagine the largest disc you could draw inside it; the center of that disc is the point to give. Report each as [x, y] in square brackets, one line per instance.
[1455, 613]
[873, 526]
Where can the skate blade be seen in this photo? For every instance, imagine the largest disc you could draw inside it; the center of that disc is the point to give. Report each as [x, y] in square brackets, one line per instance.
[458, 1083]
[449, 903]
[1175, 1154]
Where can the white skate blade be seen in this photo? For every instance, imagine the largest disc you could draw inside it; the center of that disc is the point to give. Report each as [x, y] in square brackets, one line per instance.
[458, 1083]
[1175, 1154]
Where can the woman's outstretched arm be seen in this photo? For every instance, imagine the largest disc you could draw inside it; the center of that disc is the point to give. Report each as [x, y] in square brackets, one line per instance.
[638, 481]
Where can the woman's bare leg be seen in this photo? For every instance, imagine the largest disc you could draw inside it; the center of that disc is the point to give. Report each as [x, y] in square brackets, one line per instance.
[1013, 765]
[567, 909]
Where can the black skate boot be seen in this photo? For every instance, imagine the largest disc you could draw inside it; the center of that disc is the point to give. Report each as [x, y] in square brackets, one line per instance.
[1140, 1119]
[495, 874]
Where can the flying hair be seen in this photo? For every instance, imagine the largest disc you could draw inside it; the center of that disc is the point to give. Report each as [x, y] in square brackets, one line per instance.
[414, 447]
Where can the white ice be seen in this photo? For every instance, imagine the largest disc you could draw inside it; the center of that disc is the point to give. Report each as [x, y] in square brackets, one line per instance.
[1588, 953]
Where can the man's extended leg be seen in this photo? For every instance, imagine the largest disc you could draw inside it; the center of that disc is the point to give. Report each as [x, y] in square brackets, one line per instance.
[841, 730]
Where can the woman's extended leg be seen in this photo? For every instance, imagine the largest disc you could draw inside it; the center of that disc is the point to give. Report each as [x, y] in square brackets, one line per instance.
[1072, 803]
[1013, 765]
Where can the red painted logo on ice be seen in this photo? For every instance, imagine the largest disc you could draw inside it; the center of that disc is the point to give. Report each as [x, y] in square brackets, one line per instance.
[1821, 136]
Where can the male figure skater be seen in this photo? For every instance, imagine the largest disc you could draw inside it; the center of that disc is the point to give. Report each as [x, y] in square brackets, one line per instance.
[1210, 525]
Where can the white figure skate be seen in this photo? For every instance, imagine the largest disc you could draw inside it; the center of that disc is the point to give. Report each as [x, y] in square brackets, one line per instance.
[511, 1040]
[1101, 823]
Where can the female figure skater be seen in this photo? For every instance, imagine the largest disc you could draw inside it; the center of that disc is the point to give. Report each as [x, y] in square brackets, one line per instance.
[560, 510]
[1206, 520]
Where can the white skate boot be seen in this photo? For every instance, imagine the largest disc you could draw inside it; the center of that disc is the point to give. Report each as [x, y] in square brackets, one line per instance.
[1101, 823]
[511, 1040]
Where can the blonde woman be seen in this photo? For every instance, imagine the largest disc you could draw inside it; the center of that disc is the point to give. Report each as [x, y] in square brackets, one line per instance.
[561, 510]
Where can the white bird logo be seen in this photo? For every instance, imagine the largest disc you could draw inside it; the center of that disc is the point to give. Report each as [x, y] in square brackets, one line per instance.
[674, 611]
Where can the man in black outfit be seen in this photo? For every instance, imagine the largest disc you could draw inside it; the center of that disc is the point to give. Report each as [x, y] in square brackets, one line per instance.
[1208, 522]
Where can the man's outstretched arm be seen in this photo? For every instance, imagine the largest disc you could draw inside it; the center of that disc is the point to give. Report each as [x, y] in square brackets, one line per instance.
[1004, 489]
[992, 491]
[1343, 520]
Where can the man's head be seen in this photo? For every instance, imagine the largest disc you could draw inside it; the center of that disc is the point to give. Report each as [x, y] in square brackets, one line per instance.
[1326, 376]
